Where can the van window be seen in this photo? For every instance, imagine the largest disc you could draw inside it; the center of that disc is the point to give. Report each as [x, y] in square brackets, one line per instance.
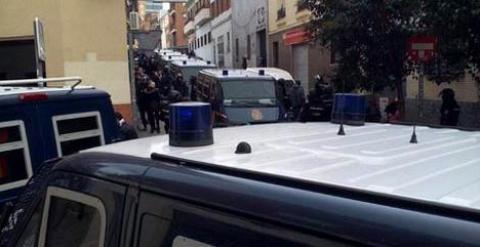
[248, 90]
[75, 132]
[72, 219]
[15, 164]
[219, 230]
[29, 236]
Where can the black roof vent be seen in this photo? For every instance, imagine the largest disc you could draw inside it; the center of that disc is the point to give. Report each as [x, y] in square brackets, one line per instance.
[225, 72]
[243, 148]
[169, 57]
[208, 62]
[184, 62]
[261, 72]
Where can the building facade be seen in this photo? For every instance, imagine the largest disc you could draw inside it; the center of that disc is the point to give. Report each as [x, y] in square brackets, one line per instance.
[80, 40]
[289, 43]
[221, 24]
[427, 109]
[249, 25]
[175, 31]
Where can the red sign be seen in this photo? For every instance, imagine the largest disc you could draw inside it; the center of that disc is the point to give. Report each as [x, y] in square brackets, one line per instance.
[421, 48]
[296, 36]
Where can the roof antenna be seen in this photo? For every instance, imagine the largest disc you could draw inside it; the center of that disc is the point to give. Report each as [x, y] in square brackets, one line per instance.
[413, 139]
[341, 130]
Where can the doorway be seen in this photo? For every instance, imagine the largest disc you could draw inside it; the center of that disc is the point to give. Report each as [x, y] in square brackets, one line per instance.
[300, 64]
[262, 48]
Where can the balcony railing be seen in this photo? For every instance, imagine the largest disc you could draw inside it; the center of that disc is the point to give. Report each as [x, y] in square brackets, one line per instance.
[189, 28]
[202, 16]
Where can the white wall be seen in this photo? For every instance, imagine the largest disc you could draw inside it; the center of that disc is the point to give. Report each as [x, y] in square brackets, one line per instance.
[222, 32]
[248, 17]
[206, 51]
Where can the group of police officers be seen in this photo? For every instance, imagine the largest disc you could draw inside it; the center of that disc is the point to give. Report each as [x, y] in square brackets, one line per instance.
[157, 87]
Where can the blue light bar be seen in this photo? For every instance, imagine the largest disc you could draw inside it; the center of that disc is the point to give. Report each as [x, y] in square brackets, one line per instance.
[190, 124]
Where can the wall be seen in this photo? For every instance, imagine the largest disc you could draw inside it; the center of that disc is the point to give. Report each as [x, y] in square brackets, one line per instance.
[83, 37]
[206, 51]
[248, 18]
[317, 58]
[178, 25]
[467, 93]
[221, 29]
[292, 19]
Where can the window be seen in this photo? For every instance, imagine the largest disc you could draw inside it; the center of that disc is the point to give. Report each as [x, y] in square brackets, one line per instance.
[302, 5]
[218, 230]
[237, 50]
[29, 235]
[221, 52]
[77, 132]
[249, 47]
[72, 219]
[228, 42]
[281, 11]
[15, 163]
[275, 54]
[209, 37]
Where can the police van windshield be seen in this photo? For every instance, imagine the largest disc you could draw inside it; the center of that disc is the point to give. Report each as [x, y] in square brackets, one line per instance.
[249, 92]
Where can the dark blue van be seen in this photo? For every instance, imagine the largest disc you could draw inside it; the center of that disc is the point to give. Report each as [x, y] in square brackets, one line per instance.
[37, 124]
[289, 189]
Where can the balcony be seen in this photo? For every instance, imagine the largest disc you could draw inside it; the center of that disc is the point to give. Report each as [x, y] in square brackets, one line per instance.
[189, 28]
[202, 16]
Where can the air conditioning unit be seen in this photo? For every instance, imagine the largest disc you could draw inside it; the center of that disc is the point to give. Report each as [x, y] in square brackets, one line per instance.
[134, 21]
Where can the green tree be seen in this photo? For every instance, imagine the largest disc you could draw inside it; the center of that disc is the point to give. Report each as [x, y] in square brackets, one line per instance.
[371, 38]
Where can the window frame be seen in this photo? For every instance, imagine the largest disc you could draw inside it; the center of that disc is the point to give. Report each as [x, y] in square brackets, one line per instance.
[77, 135]
[11, 146]
[75, 197]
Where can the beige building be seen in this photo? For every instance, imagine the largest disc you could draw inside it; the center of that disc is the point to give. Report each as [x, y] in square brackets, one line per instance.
[290, 44]
[467, 93]
[84, 38]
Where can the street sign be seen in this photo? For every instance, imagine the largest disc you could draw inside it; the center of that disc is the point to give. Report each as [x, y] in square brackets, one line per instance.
[421, 48]
[296, 36]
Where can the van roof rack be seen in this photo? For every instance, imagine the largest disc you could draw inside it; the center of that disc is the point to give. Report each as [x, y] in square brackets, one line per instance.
[42, 82]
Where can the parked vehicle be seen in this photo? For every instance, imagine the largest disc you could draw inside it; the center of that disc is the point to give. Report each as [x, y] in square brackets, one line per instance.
[240, 96]
[41, 123]
[190, 67]
[297, 185]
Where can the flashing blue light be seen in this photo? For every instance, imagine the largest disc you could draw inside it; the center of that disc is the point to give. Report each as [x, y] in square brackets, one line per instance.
[190, 124]
[353, 107]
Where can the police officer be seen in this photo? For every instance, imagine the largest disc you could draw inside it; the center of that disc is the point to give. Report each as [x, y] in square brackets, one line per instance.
[141, 84]
[180, 86]
[153, 102]
[127, 132]
[296, 96]
[193, 88]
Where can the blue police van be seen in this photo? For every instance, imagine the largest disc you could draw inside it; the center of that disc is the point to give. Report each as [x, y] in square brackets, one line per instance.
[287, 184]
[240, 96]
[39, 123]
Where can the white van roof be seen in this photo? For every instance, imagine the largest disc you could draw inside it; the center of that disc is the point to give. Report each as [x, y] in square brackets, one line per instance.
[274, 72]
[443, 168]
[193, 63]
[235, 74]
